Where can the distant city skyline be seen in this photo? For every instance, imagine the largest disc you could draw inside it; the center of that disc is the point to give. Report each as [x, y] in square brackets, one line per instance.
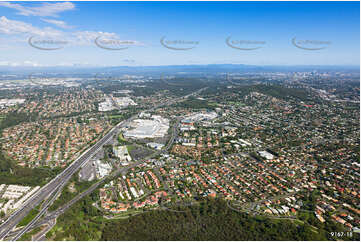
[179, 33]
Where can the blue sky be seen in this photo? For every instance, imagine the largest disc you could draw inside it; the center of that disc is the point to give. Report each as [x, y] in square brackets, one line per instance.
[269, 26]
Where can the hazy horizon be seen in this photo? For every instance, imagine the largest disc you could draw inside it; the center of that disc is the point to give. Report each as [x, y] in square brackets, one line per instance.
[179, 33]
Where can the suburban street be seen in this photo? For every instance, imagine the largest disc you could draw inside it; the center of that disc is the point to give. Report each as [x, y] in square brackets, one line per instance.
[61, 179]
[53, 215]
[52, 186]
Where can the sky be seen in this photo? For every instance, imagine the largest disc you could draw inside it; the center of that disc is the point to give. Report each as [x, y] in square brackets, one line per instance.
[179, 33]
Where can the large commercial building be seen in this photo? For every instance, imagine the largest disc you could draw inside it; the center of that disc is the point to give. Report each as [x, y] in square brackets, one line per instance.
[107, 105]
[188, 122]
[197, 117]
[148, 128]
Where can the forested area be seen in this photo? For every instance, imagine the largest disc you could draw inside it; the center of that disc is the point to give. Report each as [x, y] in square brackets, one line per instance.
[273, 90]
[194, 103]
[282, 92]
[10, 173]
[81, 222]
[15, 118]
[209, 220]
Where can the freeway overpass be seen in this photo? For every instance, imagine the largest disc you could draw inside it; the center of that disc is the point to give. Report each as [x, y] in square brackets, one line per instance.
[53, 215]
[52, 186]
[56, 184]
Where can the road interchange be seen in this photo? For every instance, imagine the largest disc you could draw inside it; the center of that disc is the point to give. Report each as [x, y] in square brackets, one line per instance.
[56, 184]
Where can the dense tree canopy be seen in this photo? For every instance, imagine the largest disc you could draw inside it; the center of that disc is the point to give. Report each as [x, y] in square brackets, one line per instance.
[211, 220]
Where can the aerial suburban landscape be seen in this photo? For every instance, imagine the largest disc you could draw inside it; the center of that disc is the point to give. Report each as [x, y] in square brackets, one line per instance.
[175, 150]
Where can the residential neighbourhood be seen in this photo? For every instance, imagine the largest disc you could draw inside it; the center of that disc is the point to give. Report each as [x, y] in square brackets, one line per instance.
[283, 156]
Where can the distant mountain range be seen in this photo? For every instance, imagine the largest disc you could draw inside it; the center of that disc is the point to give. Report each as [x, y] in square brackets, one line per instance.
[172, 69]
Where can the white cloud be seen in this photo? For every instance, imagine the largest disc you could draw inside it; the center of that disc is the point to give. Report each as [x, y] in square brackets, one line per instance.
[89, 36]
[21, 32]
[31, 63]
[25, 30]
[13, 27]
[21, 63]
[28, 63]
[44, 10]
[83, 37]
[58, 23]
[129, 60]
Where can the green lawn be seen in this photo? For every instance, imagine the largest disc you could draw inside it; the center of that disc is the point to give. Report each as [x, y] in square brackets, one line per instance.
[29, 217]
[27, 236]
[120, 137]
[130, 148]
[115, 116]
[2, 118]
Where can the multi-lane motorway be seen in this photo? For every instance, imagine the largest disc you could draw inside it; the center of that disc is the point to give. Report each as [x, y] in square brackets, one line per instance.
[52, 186]
[60, 180]
[53, 215]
